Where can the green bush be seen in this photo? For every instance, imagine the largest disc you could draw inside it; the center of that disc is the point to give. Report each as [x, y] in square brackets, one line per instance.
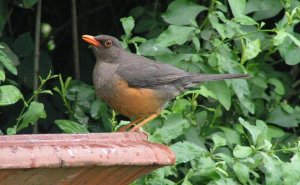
[233, 131]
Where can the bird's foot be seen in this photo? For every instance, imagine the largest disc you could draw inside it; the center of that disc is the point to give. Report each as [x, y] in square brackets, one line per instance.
[127, 127]
[144, 122]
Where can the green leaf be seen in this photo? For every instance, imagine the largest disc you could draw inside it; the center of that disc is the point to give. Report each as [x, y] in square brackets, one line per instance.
[203, 91]
[218, 141]
[186, 181]
[250, 50]
[7, 61]
[291, 170]
[80, 92]
[284, 119]
[259, 82]
[29, 3]
[150, 48]
[95, 109]
[294, 39]
[137, 40]
[222, 29]
[128, 25]
[192, 135]
[245, 20]
[71, 127]
[267, 145]
[253, 130]
[221, 91]
[46, 92]
[186, 151]
[242, 151]
[291, 56]
[11, 130]
[174, 35]
[286, 107]
[182, 12]
[263, 136]
[187, 176]
[205, 167]
[80, 115]
[242, 91]
[263, 9]
[279, 88]
[6, 49]
[279, 37]
[272, 169]
[24, 45]
[237, 7]
[275, 132]
[180, 105]
[9, 94]
[172, 128]
[155, 181]
[289, 51]
[196, 43]
[2, 74]
[232, 136]
[32, 115]
[242, 172]
[224, 181]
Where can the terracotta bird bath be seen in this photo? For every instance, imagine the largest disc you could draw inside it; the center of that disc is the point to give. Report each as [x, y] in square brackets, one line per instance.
[79, 159]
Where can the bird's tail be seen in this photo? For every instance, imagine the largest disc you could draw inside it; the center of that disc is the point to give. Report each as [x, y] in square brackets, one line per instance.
[214, 77]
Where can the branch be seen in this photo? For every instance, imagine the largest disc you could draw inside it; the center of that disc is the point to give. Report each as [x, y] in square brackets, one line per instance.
[75, 41]
[37, 54]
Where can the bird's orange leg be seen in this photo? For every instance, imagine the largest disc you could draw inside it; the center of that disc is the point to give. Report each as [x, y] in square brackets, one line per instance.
[126, 127]
[144, 122]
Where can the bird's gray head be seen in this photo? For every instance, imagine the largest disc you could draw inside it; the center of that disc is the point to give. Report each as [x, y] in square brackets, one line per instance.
[104, 46]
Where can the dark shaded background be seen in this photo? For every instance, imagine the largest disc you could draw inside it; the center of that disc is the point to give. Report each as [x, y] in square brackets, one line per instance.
[94, 17]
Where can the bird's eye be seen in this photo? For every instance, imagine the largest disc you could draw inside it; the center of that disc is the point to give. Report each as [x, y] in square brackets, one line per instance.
[108, 43]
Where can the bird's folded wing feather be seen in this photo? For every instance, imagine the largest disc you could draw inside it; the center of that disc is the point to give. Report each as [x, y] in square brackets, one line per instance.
[142, 72]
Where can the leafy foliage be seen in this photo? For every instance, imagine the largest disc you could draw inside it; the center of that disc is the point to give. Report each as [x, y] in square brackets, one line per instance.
[238, 134]
[72, 127]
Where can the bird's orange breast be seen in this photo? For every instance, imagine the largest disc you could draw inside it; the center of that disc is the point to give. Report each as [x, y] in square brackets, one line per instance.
[132, 102]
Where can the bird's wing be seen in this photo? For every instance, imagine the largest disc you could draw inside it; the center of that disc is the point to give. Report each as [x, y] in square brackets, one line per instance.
[142, 72]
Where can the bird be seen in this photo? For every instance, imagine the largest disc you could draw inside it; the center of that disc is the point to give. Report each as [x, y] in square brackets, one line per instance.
[138, 87]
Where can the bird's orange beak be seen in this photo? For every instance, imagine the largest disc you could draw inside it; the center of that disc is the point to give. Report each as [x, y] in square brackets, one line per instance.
[91, 40]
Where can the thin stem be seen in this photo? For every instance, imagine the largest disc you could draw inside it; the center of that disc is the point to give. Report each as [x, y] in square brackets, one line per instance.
[67, 104]
[37, 54]
[75, 41]
[215, 115]
[63, 91]
[250, 33]
[211, 8]
[113, 121]
[33, 97]
[286, 150]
